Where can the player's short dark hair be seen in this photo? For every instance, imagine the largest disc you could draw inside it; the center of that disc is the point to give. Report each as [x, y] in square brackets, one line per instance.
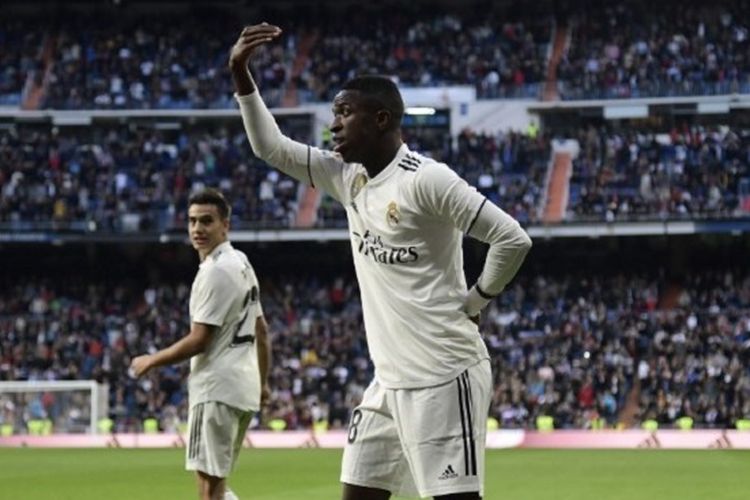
[381, 93]
[211, 196]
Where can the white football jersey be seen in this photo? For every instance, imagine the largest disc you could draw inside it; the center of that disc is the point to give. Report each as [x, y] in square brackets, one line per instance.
[225, 294]
[406, 227]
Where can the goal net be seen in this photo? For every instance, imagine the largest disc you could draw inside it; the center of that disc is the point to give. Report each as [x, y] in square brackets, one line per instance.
[47, 407]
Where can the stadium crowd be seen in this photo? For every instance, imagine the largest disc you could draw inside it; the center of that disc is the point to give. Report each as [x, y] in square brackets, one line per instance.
[681, 49]
[147, 62]
[698, 357]
[18, 59]
[155, 62]
[501, 54]
[132, 178]
[689, 172]
[178, 59]
[571, 347]
[135, 177]
[508, 168]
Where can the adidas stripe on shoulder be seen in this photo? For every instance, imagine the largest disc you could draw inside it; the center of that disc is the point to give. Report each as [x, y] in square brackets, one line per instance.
[410, 163]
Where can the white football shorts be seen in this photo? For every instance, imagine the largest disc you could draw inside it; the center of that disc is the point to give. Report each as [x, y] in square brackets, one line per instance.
[421, 442]
[215, 435]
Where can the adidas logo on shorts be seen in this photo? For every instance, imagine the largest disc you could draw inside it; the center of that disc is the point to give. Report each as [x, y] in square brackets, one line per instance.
[448, 473]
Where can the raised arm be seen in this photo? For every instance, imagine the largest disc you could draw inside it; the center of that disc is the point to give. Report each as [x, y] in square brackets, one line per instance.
[305, 163]
[267, 141]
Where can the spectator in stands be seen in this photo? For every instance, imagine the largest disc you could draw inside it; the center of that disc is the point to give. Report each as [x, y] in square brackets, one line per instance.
[687, 172]
[691, 360]
[128, 179]
[683, 49]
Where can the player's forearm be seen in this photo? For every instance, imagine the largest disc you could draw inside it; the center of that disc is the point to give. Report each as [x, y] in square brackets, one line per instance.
[509, 245]
[269, 144]
[503, 261]
[264, 361]
[242, 78]
[264, 135]
[183, 349]
[264, 353]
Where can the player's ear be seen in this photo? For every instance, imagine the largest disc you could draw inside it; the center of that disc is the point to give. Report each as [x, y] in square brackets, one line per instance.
[383, 119]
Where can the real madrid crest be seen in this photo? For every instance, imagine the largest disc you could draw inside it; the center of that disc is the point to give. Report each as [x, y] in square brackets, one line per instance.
[359, 182]
[393, 216]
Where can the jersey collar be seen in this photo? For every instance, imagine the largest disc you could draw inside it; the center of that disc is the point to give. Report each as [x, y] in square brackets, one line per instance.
[221, 247]
[391, 167]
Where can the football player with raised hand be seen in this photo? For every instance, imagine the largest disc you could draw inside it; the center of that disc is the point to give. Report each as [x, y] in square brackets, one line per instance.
[420, 428]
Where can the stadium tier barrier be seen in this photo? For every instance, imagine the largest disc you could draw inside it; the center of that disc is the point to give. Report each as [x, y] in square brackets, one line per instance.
[559, 439]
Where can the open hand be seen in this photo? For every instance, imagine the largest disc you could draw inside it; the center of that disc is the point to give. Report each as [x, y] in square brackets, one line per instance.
[250, 39]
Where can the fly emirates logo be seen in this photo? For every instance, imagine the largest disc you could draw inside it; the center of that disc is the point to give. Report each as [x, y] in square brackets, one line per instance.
[372, 245]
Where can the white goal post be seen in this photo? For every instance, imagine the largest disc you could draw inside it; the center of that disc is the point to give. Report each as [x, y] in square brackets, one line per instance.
[70, 401]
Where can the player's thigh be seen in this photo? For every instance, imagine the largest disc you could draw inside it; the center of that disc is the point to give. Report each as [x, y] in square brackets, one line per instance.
[215, 433]
[243, 422]
[443, 430]
[373, 457]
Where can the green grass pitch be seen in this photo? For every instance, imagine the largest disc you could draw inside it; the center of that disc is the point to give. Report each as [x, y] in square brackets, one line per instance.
[312, 474]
